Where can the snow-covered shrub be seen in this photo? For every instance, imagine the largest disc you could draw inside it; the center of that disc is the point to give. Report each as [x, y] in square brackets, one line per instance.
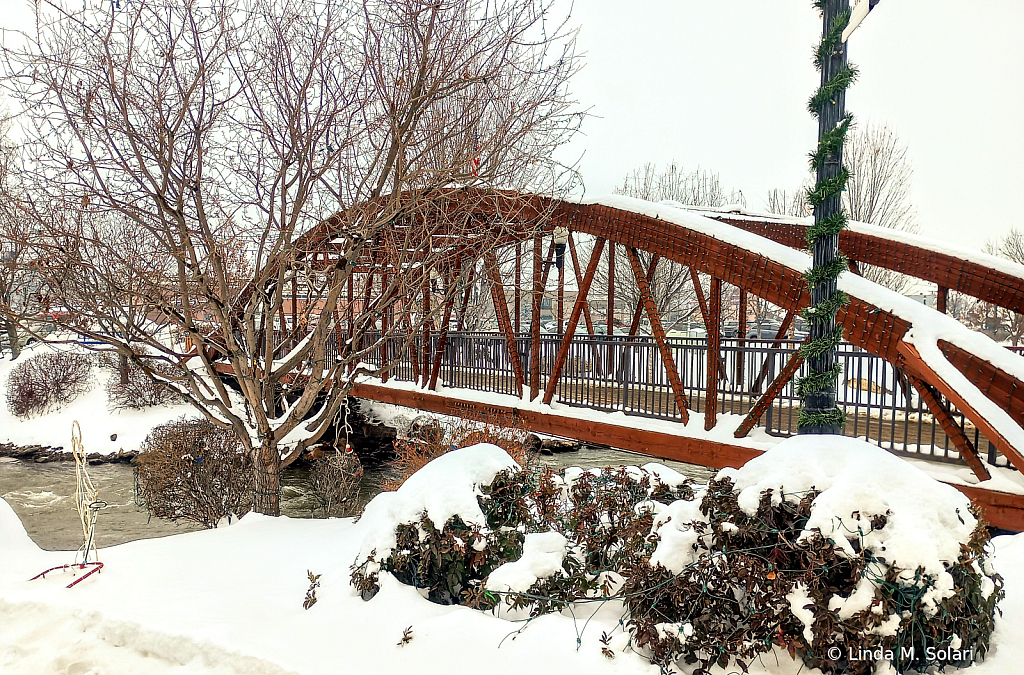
[190, 469]
[140, 391]
[534, 542]
[829, 549]
[428, 438]
[334, 483]
[46, 382]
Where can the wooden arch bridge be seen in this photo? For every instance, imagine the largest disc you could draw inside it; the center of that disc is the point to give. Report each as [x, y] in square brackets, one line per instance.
[706, 401]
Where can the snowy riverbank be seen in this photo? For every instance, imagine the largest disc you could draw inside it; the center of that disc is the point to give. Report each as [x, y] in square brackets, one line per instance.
[104, 431]
[229, 601]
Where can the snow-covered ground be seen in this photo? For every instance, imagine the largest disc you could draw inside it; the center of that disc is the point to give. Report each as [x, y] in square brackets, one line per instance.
[98, 421]
[229, 601]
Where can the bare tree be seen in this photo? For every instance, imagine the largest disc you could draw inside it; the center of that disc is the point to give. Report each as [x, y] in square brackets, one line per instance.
[878, 191]
[331, 142]
[690, 188]
[998, 322]
[794, 203]
[671, 286]
[20, 284]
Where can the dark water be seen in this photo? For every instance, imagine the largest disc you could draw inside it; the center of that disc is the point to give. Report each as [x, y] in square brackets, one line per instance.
[43, 496]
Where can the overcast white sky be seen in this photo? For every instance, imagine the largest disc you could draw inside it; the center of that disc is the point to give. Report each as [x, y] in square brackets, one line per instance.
[723, 84]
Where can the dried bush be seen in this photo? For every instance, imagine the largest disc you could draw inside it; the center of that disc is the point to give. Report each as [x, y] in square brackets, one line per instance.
[764, 559]
[334, 483]
[741, 584]
[46, 382]
[140, 391]
[595, 510]
[190, 469]
[428, 438]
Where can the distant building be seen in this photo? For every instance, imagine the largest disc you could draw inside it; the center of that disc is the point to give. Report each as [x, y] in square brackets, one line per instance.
[926, 298]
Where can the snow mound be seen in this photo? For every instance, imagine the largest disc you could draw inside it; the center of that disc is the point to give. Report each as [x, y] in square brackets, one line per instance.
[676, 537]
[926, 521]
[446, 487]
[14, 540]
[543, 554]
[89, 643]
[104, 431]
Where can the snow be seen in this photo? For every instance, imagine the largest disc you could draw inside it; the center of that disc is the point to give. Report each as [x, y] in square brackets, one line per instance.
[446, 487]
[927, 325]
[676, 538]
[388, 414]
[665, 475]
[543, 553]
[229, 601]
[938, 245]
[90, 409]
[926, 521]
[799, 600]
[722, 432]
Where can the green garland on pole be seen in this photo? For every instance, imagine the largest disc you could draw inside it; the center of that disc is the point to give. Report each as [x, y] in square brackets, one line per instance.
[825, 334]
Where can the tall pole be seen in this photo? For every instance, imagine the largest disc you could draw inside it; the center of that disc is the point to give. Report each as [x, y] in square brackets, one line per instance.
[818, 413]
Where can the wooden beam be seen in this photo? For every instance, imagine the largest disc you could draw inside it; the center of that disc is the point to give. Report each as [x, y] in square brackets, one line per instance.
[944, 417]
[944, 269]
[611, 291]
[770, 394]
[518, 286]
[442, 340]
[504, 323]
[351, 305]
[465, 298]
[714, 346]
[426, 328]
[701, 300]
[538, 294]
[385, 327]
[414, 355]
[626, 437]
[917, 367]
[1002, 509]
[941, 299]
[561, 296]
[705, 314]
[780, 334]
[741, 338]
[367, 292]
[638, 312]
[579, 282]
[295, 308]
[578, 308]
[658, 331]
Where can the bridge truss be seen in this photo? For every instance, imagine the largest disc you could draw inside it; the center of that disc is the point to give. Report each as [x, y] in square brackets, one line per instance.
[962, 382]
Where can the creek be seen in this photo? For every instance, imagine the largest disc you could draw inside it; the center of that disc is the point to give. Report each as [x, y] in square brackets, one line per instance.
[43, 496]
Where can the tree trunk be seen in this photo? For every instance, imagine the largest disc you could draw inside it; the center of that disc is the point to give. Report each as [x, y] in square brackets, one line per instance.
[123, 368]
[267, 480]
[12, 336]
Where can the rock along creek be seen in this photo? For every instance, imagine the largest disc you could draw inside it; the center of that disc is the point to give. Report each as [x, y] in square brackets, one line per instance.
[42, 496]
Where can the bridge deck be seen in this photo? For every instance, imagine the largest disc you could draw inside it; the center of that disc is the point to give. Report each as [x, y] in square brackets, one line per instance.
[658, 439]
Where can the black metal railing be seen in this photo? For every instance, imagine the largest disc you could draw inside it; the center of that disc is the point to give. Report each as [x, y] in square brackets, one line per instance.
[626, 374]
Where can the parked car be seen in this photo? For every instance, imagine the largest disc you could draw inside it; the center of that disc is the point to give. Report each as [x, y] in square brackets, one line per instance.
[769, 329]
